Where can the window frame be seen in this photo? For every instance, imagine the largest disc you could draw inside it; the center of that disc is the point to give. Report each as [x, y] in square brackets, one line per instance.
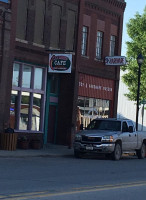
[112, 45]
[84, 45]
[99, 45]
[32, 91]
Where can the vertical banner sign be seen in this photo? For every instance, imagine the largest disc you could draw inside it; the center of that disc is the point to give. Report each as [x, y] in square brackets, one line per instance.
[60, 63]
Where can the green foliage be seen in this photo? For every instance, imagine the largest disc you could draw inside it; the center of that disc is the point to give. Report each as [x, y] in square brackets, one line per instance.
[136, 29]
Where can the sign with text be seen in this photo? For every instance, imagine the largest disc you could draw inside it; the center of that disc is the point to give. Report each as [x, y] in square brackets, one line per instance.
[115, 60]
[60, 63]
[95, 87]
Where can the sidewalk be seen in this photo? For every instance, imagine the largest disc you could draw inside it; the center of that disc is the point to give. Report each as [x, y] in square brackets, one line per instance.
[49, 150]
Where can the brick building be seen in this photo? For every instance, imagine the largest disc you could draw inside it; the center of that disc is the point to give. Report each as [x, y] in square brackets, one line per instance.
[6, 60]
[43, 103]
[100, 35]
[39, 99]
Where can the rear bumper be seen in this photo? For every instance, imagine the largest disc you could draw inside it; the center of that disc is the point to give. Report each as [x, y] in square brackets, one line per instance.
[94, 148]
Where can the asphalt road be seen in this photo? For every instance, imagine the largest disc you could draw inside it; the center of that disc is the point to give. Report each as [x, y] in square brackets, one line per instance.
[67, 178]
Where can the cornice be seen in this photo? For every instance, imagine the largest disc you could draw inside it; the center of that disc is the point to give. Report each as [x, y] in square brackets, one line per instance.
[115, 3]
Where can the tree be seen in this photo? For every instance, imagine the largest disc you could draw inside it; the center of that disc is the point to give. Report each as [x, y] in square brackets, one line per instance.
[136, 29]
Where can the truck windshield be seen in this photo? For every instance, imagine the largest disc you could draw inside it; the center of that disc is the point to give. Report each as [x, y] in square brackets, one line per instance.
[105, 125]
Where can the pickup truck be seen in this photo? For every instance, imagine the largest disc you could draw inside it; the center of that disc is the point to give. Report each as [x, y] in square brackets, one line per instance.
[111, 137]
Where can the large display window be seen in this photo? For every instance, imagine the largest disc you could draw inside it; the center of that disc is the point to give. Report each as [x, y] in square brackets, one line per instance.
[91, 108]
[27, 97]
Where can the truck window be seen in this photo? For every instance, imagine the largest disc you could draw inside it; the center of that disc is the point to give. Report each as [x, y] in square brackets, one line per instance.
[124, 127]
[105, 125]
[130, 123]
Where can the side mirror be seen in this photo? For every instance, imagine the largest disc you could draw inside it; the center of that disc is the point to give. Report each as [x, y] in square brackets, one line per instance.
[131, 129]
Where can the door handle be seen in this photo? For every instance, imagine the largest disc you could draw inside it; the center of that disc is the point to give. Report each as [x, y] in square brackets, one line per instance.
[135, 135]
[129, 135]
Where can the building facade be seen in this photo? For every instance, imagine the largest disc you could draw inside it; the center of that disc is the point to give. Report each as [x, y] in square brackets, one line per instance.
[100, 35]
[52, 104]
[6, 60]
[38, 96]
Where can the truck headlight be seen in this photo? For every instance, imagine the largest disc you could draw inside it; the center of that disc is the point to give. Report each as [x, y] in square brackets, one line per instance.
[107, 139]
[78, 137]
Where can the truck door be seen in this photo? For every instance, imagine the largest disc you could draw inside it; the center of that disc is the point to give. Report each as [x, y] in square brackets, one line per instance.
[125, 136]
[132, 135]
[129, 140]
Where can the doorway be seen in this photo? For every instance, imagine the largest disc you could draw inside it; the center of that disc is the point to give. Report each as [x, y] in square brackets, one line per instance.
[51, 136]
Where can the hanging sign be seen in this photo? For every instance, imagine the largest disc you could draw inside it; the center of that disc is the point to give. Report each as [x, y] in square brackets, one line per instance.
[115, 60]
[60, 63]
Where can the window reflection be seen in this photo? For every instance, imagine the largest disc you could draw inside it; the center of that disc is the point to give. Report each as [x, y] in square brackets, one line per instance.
[36, 112]
[26, 78]
[38, 78]
[91, 108]
[15, 74]
[24, 110]
[13, 108]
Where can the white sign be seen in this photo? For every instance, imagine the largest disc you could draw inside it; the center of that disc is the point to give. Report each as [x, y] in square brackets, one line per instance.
[60, 63]
[115, 60]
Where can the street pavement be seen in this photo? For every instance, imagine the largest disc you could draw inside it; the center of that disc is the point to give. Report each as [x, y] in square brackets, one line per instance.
[50, 150]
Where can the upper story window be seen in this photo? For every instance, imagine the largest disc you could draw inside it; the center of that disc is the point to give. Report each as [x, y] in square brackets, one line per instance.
[84, 40]
[112, 45]
[99, 43]
[39, 22]
[22, 15]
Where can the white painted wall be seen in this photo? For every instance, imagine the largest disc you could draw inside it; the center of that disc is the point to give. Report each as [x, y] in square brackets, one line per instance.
[127, 109]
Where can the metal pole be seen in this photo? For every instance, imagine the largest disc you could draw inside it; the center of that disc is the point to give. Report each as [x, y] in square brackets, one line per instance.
[138, 91]
[142, 112]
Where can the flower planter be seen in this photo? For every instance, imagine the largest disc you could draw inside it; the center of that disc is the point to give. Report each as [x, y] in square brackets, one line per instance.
[23, 144]
[36, 144]
[8, 141]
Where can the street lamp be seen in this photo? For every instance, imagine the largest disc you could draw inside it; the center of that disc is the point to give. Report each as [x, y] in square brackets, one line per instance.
[139, 62]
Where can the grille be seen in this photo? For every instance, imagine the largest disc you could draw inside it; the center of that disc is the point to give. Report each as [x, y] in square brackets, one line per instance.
[91, 139]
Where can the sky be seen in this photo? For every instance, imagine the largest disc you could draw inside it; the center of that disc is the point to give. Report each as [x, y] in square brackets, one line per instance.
[132, 7]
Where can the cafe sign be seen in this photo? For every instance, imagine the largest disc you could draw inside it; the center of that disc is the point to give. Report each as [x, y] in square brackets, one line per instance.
[115, 60]
[60, 63]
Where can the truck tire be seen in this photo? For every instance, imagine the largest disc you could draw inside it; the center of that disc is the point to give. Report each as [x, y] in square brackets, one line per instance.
[116, 155]
[141, 152]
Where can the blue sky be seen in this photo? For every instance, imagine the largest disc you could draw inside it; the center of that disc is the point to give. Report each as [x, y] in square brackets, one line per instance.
[132, 7]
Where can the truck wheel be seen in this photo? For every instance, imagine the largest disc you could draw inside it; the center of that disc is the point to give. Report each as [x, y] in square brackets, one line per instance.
[141, 152]
[116, 155]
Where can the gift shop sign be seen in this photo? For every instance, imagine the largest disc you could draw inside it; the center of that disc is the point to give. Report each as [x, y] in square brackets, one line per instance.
[115, 60]
[91, 86]
[60, 63]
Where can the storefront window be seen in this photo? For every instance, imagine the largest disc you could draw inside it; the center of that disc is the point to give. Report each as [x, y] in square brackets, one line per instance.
[27, 106]
[24, 110]
[38, 78]
[36, 112]
[13, 108]
[15, 74]
[26, 78]
[91, 108]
